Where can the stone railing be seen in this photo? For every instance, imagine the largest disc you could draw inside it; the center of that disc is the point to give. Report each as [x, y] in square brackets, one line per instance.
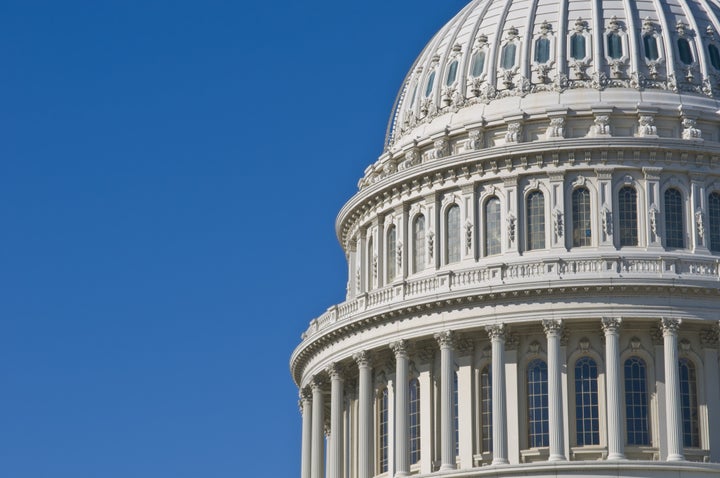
[446, 282]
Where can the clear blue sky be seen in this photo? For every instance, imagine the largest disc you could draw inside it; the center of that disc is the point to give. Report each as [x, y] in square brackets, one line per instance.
[170, 172]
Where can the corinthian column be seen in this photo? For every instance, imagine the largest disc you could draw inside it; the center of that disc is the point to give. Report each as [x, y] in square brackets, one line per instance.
[553, 331]
[336, 417]
[499, 423]
[672, 390]
[447, 422]
[616, 441]
[306, 408]
[402, 467]
[317, 463]
[364, 414]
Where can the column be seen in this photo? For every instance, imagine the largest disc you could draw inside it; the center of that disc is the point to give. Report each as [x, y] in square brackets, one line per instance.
[336, 416]
[672, 390]
[364, 414]
[616, 440]
[317, 462]
[553, 331]
[497, 339]
[306, 408]
[402, 467]
[465, 409]
[447, 422]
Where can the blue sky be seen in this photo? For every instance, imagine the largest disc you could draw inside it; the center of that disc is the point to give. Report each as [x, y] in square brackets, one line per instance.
[170, 172]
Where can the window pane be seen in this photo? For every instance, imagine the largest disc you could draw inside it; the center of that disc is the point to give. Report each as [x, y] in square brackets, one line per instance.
[455, 414]
[542, 50]
[486, 408]
[478, 63]
[627, 216]
[419, 244]
[614, 45]
[685, 51]
[535, 220]
[414, 421]
[370, 264]
[508, 56]
[383, 430]
[452, 73]
[587, 424]
[430, 81]
[537, 404]
[714, 220]
[674, 229]
[651, 49]
[492, 226]
[453, 234]
[688, 404]
[390, 256]
[582, 234]
[577, 47]
[714, 56]
[636, 402]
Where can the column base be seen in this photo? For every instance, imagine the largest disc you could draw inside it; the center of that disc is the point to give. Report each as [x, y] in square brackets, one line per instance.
[675, 457]
[446, 467]
[557, 458]
[500, 461]
[401, 474]
[615, 457]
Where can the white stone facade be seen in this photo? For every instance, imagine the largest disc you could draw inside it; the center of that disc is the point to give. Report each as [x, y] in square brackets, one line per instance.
[534, 261]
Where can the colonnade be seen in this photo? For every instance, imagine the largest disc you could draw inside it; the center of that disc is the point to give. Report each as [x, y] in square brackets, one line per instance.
[314, 460]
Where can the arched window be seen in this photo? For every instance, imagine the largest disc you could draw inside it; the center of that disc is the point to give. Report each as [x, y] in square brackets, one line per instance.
[627, 216]
[714, 55]
[414, 420]
[636, 402]
[577, 47]
[419, 243]
[714, 221]
[651, 48]
[537, 375]
[383, 427]
[486, 408]
[614, 46]
[508, 56]
[689, 404]
[587, 422]
[674, 228]
[390, 253]
[370, 264]
[492, 226]
[542, 50]
[478, 63]
[582, 233]
[452, 73]
[456, 423]
[685, 51]
[452, 234]
[429, 85]
[535, 207]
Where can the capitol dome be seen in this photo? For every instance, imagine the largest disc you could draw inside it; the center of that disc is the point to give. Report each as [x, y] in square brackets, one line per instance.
[534, 259]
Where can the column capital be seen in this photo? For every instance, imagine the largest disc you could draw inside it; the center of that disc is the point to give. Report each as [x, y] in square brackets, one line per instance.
[670, 326]
[305, 394]
[496, 331]
[317, 382]
[552, 327]
[362, 358]
[710, 338]
[335, 371]
[611, 325]
[400, 348]
[445, 339]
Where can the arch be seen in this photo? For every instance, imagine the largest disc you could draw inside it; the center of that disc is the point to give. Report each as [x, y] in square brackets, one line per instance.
[383, 442]
[714, 220]
[689, 403]
[370, 263]
[637, 406]
[418, 253]
[492, 226]
[453, 234]
[587, 415]
[535, 220]
[486, 427]
[581, 217]
[628, 216]
[537, 396]
[414, 420]
[390, 253]
[456, 404]
[674, 218]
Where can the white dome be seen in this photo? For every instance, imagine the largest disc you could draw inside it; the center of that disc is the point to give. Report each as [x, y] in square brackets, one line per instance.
[540, 52]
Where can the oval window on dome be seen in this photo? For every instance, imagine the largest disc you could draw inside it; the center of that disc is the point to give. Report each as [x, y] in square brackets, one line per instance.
[478, 63]
[651, 48]
[685, 51]
[614, 46]
[508, 56]
[714, 55]
[577, 47]
[452, 73]
[542, 50]
[430, 82]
